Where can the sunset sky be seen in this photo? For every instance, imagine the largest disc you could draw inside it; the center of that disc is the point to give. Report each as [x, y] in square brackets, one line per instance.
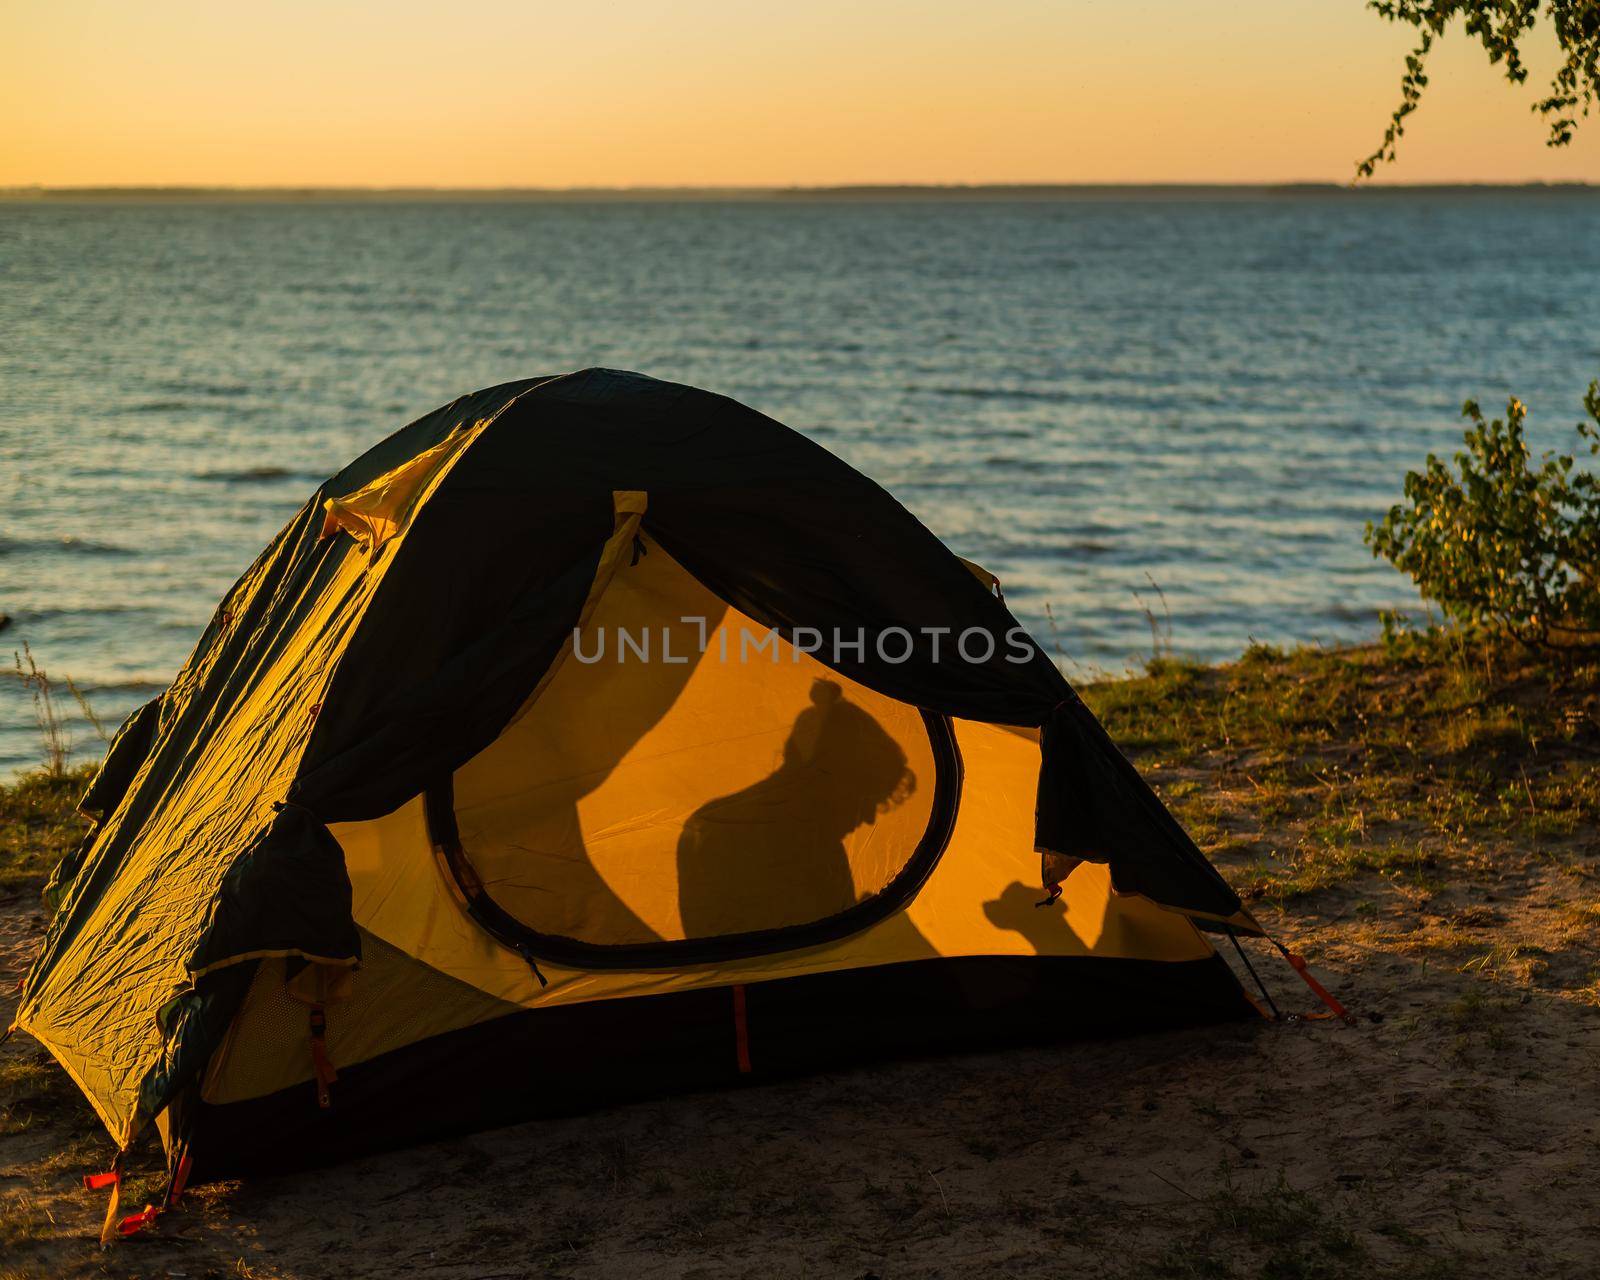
[728, 92]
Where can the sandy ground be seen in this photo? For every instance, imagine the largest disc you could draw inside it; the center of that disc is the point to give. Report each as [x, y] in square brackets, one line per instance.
[1453, 1132]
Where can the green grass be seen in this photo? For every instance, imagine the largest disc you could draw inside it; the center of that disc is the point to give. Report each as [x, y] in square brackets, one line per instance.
[1267, 1229]
[1304, 770]
[1479, 1020]
[39, 824]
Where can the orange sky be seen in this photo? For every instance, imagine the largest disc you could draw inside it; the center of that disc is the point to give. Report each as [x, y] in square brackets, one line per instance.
[737, 92]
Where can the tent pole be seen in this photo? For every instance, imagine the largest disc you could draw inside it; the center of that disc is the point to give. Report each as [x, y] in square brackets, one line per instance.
[1251, 969]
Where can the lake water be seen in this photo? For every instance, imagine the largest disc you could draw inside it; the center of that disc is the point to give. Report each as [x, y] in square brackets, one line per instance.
[1087, 397]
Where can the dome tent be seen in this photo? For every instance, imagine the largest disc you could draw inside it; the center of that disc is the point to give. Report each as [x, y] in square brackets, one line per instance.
[594, 736]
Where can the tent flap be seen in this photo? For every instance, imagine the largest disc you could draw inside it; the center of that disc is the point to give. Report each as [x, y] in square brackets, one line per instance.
[363, 762]
[192, 1024]
[1094, 806]
[286, 894]
[128, 752]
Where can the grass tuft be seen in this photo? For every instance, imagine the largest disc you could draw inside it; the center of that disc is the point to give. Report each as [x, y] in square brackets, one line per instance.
[39, 824]
[1384, 761]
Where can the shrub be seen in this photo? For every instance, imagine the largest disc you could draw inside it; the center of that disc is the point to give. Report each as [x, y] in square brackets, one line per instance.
[1499, 543]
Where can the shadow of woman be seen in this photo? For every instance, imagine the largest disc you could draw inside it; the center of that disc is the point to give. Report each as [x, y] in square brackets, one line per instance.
[774, 854]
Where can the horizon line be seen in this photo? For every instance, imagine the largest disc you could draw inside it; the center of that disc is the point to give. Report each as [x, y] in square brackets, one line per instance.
[756, 192]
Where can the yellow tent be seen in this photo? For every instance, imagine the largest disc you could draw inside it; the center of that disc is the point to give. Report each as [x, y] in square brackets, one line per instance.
[589, 737]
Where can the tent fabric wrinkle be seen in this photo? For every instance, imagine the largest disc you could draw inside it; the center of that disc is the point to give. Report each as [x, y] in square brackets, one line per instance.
[378, 510]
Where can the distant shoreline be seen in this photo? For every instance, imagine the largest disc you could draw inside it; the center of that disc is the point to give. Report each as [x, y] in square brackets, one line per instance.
[983, 193]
